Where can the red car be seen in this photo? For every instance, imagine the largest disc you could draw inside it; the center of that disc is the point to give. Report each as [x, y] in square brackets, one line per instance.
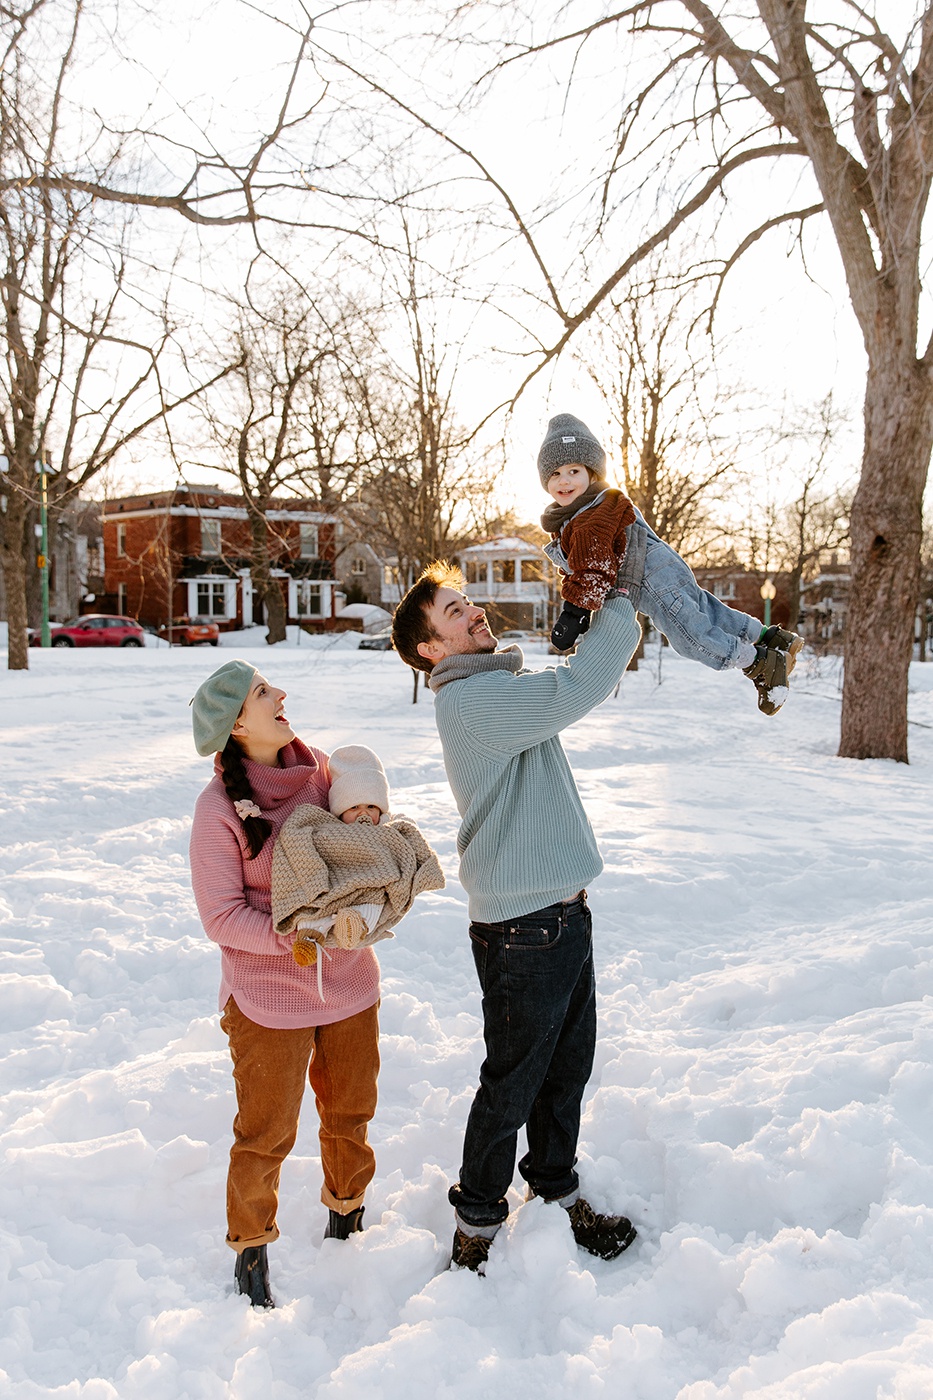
[94, 630]
[191, 632]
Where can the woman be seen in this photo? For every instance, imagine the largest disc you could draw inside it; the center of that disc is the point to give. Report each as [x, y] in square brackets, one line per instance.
[277, 1025]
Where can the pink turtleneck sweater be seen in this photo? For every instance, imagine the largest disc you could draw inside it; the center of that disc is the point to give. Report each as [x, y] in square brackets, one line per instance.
[233, 899]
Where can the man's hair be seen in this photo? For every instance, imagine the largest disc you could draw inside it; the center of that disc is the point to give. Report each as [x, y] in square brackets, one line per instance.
[410, 626]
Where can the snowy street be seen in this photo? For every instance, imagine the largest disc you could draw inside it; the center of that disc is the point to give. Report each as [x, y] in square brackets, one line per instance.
[761, 1106]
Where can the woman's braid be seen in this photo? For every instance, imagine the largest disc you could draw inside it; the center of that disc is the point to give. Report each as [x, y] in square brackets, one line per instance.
[256, 829]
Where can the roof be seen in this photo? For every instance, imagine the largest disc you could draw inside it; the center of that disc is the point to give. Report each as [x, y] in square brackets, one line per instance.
[501, 544]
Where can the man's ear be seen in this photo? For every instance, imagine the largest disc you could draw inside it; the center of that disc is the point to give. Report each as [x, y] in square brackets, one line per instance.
[431, 651]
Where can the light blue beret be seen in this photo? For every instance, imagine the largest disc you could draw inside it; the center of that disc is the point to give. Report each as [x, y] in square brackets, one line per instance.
[217, 703]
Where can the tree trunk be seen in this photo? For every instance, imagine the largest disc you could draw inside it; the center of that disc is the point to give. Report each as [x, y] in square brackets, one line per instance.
[261, 573]
[275, 611]
[922, 630]
[639, 652]
[886, 538]
[13, 559]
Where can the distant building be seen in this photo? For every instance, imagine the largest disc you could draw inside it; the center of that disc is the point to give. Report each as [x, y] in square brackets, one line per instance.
[825, 603]
[187, 552]
[513, 580]
[76, 560]
[360, 571]
[76, 564]
[740, 588]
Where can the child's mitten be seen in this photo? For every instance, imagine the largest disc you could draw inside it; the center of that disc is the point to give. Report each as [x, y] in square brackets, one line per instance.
[571, 624]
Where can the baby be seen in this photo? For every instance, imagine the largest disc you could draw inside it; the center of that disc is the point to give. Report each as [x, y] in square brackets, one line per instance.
[600, 541]
[344, 878]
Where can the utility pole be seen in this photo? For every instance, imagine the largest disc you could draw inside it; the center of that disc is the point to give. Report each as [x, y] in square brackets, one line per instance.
[43, 470]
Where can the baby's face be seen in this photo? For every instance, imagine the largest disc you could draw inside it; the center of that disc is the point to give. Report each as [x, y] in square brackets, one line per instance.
[567, 483]
[366, 812]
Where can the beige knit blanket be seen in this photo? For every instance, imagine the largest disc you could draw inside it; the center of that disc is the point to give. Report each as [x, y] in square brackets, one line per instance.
[321, 865]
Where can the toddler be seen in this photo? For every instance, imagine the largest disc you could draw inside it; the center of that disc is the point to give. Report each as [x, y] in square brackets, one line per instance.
[344, 878]
[600, 541]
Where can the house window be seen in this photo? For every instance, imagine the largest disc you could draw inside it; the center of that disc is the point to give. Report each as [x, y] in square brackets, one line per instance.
[723, 588]
[212, 598]
[121, 541]
[308, 535]
[358, 565]
[532, 570]
[475, 571]
[210, 537]
[307, 598]
[503, 570]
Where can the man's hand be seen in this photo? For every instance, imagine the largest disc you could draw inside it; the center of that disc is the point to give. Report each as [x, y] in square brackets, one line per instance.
[571, 624]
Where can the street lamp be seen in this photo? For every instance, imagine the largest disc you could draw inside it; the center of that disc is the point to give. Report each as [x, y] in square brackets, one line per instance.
[768, 592]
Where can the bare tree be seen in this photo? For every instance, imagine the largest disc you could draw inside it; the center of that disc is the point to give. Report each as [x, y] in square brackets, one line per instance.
[925, 596]
[75, 380]
[816, 523]
[794, 512]
[665, 406]
[715, 98]
[284, 424]
[429, 479]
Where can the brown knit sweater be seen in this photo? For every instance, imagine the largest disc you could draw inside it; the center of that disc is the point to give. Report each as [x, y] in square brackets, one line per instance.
[594, 542]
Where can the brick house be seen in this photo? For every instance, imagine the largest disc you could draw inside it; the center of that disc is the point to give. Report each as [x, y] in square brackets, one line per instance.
[187, 552]
[740, 588]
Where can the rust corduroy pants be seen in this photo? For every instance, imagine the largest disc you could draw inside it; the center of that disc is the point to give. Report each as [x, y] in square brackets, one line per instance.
[341, 1062]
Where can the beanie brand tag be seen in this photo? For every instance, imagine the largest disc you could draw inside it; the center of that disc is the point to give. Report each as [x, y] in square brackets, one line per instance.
[568, 439]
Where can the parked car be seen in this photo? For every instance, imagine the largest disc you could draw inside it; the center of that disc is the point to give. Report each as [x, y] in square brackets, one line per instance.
[191, 632]
[377, 641]
[94, 630]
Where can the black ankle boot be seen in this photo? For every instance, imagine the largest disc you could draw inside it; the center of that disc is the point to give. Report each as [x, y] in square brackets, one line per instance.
[341, 1227]
[252, 1276]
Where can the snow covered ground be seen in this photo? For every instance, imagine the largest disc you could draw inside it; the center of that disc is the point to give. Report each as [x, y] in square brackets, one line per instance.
[762, 1101]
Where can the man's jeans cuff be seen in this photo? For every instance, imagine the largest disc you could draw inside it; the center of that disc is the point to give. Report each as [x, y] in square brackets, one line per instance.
[483, 1232]
[490, 1215]
[567, 1202]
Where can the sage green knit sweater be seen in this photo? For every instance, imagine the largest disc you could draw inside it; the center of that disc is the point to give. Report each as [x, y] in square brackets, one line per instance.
[525, 840]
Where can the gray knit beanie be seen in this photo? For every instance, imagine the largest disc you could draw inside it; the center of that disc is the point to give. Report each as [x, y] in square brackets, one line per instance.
[357, 776]
[217, 703]
[568, 440]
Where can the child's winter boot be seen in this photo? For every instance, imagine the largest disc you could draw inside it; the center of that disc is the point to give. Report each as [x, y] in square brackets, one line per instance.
[783, 640]
[769, 672]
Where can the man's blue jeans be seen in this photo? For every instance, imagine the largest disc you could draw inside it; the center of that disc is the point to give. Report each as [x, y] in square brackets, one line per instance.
[539, 1025]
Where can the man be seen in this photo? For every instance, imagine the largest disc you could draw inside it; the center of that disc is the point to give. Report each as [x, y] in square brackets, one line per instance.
[526, 853]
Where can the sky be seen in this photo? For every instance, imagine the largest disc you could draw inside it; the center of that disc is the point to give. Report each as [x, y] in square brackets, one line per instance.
[786, 335]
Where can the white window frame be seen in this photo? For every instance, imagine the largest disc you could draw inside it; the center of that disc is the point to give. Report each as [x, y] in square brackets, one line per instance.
[723, 588]
[301, 591]
[211, 537]
[308, 541]
[358, 564]
[228, 585]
